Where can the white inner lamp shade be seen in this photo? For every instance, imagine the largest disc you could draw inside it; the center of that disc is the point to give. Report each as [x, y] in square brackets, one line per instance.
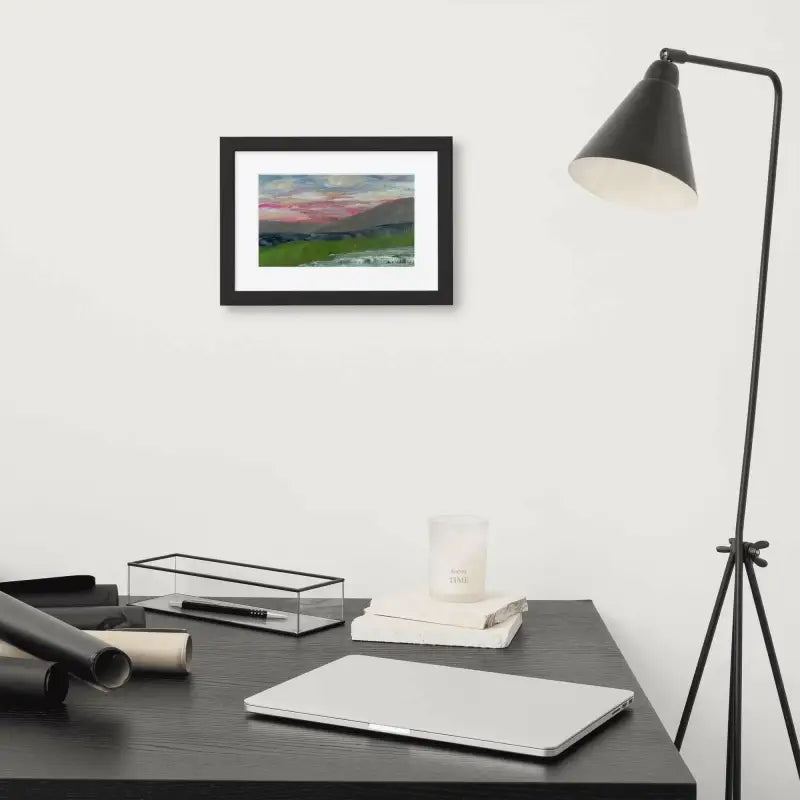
[632, 184]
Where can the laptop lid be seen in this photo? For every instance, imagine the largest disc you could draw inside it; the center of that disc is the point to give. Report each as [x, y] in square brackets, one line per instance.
[462, 706]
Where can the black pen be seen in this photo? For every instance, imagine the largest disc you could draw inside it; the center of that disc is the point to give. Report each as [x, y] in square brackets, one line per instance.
[226, 608]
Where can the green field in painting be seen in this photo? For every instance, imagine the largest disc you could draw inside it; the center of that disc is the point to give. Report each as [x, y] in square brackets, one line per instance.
[293, 254]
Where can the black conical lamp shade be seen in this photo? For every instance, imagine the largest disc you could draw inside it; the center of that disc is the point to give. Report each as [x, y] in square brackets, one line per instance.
[640, 156]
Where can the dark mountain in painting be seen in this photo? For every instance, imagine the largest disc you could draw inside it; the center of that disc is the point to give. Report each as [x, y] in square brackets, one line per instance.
[392, 212]
[272, 238]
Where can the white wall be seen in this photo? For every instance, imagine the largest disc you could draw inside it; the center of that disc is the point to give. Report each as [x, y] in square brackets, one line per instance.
[586, 393]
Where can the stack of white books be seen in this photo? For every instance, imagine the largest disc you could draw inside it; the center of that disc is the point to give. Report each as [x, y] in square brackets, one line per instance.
[416, 618]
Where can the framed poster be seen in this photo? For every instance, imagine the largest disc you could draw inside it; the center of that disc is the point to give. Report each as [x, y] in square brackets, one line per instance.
[336, 221]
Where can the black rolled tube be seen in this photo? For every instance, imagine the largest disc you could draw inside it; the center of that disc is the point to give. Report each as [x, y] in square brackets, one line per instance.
[60, 583]
[103, 594]
[50, 639]
[100, 618]
[29, 680]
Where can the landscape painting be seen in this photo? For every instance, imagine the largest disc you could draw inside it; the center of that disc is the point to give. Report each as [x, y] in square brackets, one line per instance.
[336, 220]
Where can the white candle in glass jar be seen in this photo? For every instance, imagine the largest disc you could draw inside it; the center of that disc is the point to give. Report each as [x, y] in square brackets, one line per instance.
[457, 562]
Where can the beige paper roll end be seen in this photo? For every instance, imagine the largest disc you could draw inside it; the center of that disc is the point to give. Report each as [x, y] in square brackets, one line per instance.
[152, 651]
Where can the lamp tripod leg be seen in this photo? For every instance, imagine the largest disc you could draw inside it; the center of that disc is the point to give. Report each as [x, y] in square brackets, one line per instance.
[736, 669]
[773, 660]
[704, 650]
[730, 756]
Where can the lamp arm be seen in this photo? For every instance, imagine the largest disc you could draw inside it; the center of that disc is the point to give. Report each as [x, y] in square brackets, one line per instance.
[682, 57]
[735, 707]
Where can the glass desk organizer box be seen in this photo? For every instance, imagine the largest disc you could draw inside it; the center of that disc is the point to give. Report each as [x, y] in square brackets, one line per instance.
[304, 602]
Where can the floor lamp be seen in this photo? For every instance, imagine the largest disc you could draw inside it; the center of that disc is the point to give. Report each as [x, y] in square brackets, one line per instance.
[640, 157]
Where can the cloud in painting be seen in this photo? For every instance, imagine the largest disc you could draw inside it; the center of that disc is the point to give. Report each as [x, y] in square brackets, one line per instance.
[335, 181]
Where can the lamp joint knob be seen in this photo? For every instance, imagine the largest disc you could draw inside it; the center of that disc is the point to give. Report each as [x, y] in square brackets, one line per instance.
[676, 56]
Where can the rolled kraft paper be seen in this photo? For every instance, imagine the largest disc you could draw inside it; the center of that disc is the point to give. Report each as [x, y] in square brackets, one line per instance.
[33, 681]
[101, 618]
[103, 594]
[153, 651]
[50, 639]
[149, 651]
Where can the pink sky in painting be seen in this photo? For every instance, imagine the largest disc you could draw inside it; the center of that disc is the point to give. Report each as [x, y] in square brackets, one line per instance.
[323, 198]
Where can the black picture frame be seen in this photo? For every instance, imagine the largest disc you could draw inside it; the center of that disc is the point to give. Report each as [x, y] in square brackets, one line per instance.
[229, 146]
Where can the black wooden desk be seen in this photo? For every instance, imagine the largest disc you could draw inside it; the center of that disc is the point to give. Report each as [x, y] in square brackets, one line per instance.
[174, 738]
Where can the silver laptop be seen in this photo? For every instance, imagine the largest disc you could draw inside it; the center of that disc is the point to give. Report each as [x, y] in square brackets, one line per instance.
[490, 710]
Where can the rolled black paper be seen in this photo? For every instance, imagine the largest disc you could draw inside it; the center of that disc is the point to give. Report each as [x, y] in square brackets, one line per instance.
[61, 583]
[100, 618]
[50, 639]
[31, 680]
[103, 594]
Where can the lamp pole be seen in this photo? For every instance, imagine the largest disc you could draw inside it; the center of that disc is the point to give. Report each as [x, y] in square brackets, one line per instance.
[734, 759]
